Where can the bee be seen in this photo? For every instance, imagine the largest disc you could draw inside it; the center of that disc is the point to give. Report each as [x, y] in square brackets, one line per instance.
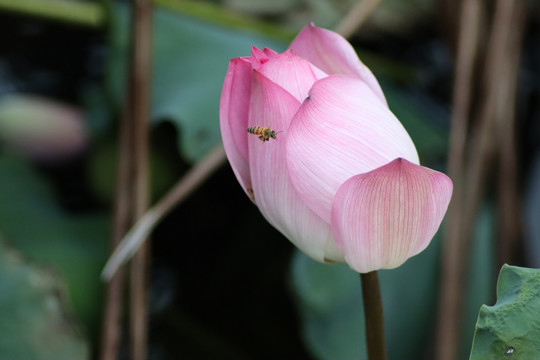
[264, 133]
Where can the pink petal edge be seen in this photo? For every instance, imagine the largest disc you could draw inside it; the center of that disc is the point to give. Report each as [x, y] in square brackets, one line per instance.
[258, 57]
[271, 53]
[381, 218]
[333, 54]
[292, 73]
[233, 118]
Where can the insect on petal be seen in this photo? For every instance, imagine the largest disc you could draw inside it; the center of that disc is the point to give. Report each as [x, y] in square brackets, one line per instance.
[272, 107]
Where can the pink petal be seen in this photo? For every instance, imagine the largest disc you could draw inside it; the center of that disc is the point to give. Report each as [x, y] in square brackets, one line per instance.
[271, 53]
[381, 218]
[333, 54]
[273, 107]
[41, 128]
[292, 73]
[233, 118]
[342, 130]
[258, 57]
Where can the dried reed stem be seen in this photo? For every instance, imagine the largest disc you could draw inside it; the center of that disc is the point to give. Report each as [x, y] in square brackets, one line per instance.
[140, 87]
[356, 17]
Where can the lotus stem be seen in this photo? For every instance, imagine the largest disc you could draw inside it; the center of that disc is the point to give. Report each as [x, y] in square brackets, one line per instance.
[373, 313]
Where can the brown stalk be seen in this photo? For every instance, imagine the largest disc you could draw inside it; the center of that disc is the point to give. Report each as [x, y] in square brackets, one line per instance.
[110, 341]
[140, 87]
[453, 262]
[356, 17]
[374, 316]
[131, 193]
[495, 110]
[146, 223]
[509, 207]
[498, 107]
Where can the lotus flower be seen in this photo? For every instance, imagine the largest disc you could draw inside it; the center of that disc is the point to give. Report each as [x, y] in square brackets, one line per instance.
[340, 177]
[41, 129]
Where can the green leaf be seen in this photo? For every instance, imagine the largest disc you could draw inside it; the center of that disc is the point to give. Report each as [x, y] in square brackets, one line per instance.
[85, 13]
[75, 245]
[509, 329]
[33, 317]
[190, 60]
[330, 305]
[329, 300]
[218, 14]
[480, 279]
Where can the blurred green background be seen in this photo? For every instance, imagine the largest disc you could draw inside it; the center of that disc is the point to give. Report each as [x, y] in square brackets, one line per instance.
[224, 284]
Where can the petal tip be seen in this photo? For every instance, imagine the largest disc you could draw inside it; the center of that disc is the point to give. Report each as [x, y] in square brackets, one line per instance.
[383, 217]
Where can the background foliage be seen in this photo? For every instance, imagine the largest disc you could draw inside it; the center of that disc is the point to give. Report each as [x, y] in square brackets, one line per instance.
[224, 283]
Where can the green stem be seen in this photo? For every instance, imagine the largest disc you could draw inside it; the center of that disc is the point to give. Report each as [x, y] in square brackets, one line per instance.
[71, 11]
[373, 313]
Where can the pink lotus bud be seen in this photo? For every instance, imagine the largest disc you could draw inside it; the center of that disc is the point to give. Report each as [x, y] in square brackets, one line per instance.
[40, 128]
[312, 142]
